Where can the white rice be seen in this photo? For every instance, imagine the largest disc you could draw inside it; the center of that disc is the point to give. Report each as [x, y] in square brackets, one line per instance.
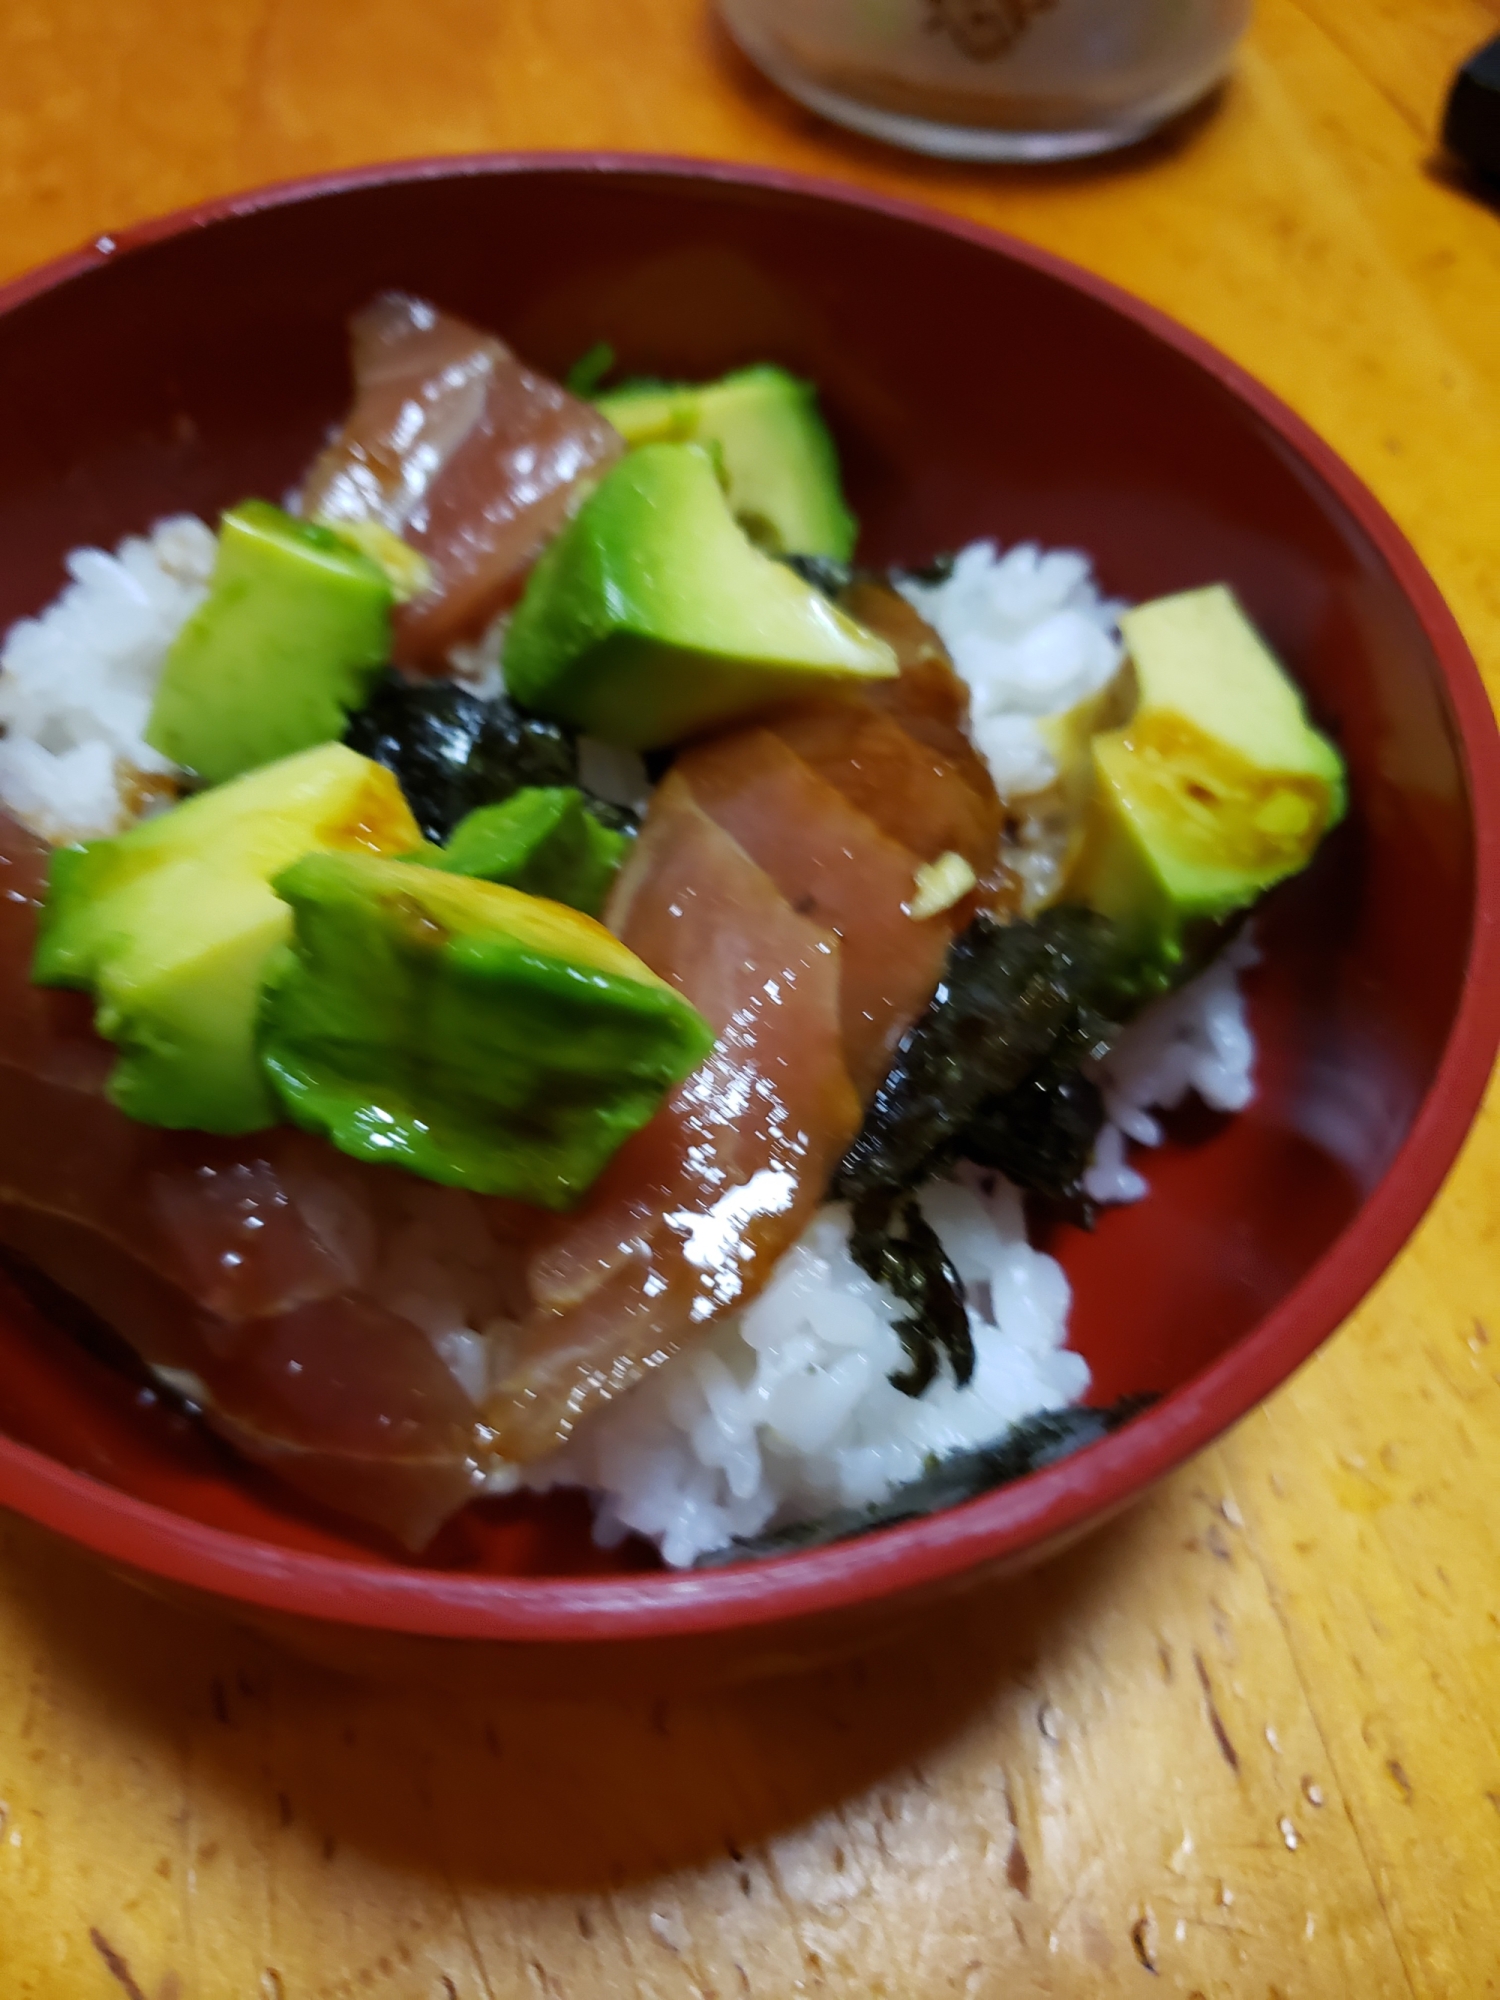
[1196, 1039]
[786, 1410]
[76, 683]
[611, 772]
[1031, 636]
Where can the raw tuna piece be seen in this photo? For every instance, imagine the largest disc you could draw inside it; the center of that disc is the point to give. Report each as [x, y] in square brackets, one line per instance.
[421, 378]
[911, 792]
[927, 697]
[297, 1297]
[899, 749]
[778, 908]
[835, 866]
[506, 491]
[691, 1214]
[474, 459]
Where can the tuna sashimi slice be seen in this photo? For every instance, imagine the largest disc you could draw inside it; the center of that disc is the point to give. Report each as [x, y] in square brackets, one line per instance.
[472, 458]
[509, 487]
[298, 1298]
[835, 866]
[691, 1214]
[899, 749]
[911, 792]
[421, 378]
[927, 697]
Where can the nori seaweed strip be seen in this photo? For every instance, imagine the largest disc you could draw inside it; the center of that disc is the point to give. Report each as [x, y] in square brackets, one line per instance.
[1010, 995]
[1041, 1135]
[452, 751]
[1037, 1441]
[989, 1074]
[899, 1248]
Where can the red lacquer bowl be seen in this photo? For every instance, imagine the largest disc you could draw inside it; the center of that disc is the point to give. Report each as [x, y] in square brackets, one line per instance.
[977, 387]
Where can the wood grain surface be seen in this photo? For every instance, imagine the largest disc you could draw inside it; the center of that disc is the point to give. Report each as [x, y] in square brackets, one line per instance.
[1244, 1745]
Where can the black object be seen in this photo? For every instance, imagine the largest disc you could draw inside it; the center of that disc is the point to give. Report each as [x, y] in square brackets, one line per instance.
[1020, 1008]
[1471, 124]
[898, 1247]
[939, 570]
[1036, 1442]
[993, 1073]
[1041, 1135]
[451, 752]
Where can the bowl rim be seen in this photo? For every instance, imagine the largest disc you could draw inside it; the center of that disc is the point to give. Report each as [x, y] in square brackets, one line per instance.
[1044, 1508]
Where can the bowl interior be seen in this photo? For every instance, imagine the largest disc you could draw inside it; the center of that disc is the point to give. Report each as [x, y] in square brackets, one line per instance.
[973, 393]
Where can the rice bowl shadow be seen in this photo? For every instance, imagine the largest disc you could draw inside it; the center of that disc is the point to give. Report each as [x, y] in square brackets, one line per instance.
[570, 1794]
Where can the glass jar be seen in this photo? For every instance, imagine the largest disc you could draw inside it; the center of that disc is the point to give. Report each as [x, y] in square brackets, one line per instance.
[993, 79]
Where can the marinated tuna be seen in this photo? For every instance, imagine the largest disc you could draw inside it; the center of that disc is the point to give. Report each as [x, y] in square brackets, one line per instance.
[689, 1218]
[470, 457]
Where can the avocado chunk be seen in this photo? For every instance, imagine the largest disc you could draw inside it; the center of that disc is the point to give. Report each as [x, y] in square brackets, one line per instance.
[291, 637]
[1217, 786]
[542, 840]
[404, 568]
[653, 616]
[467, 1032]
[169, 927]
[779, 463]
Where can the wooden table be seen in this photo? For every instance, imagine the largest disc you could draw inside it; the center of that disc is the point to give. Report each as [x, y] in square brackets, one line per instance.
[1246, 1742]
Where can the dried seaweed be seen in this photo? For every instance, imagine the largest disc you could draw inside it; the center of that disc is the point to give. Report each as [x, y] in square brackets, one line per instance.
[992, 1073]
[1014, 999]
[896, 1245]
[1038, 1441]
[833, 578]
[1041, 1135]
[452, 751]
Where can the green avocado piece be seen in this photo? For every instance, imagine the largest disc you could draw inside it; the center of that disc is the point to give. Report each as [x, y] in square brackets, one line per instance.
[169, 927]
[290, 639]
[653, 616]
[467, 1032]
[1217, 786]
[779, 462]
[542, 840]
